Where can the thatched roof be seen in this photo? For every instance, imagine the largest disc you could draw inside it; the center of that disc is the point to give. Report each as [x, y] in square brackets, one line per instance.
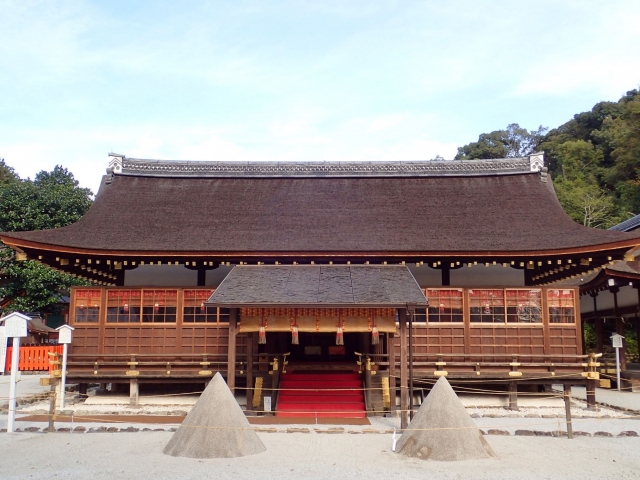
[474, 207]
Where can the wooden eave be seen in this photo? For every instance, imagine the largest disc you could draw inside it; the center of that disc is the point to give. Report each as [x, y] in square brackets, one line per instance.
[20, 245]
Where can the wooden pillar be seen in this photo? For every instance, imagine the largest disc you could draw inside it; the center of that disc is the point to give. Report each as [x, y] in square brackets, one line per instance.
[404, 371]
[82, 390]
[250, 353]
[367, 385]
[392, 372]
[591, 394]
[513, 396]
[637, 287]
[134, 392]
[638, 329]
[410, 313]
[202, 277]
[446, 276]
[567, 409]
[231, 353]
[599, 335]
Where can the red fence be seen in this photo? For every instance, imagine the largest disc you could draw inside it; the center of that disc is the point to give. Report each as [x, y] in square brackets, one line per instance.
[33, 358]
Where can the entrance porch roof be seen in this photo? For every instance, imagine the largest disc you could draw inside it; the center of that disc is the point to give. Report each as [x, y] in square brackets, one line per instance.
[318, 286]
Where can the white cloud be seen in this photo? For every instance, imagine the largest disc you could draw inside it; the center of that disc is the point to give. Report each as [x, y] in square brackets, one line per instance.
[84, 151]
[605, 74]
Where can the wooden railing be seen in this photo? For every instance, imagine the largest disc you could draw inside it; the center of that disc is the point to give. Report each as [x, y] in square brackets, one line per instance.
[33, 358]
[482, 364]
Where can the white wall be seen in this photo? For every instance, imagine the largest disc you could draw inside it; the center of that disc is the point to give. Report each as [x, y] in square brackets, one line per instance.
[476, 276]
[491, 276]
[627, 297]
[161, 276]
[215, 276]
[426, 276]
[172, 276]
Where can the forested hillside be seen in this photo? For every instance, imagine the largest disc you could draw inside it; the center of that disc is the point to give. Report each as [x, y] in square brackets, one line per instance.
[594, 159]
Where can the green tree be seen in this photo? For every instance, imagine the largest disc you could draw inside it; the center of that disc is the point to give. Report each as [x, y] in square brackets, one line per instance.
[578, 188]
[51, 200]
[514, 141]
[7, 174]
[594, 159]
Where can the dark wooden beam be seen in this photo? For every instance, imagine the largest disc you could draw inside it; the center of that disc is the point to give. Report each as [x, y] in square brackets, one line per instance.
[231, 354]
[202, 277]
[250, 353]
[391, 351]
[404, 387]
[446, 276]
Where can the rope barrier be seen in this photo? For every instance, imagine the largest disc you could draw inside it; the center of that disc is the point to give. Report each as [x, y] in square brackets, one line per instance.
[76, 418]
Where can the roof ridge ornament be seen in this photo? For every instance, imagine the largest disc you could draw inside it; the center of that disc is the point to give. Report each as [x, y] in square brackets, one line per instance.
[536, 164]
[536, 161]
[115, 165]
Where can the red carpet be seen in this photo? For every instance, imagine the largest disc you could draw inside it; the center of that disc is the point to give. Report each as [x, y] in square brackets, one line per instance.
[322, 395]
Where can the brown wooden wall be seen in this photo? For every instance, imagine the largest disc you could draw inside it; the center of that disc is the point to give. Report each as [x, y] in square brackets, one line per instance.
[185, 338]
[467, 338]
[170, 339]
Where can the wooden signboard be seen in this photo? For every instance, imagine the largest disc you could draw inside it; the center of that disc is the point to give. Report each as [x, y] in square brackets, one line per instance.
[15, 326]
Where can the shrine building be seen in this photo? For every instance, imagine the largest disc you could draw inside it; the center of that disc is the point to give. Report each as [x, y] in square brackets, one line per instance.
[285, 275]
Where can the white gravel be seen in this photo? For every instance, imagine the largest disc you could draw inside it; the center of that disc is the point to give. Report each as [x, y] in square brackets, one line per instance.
[310, 456]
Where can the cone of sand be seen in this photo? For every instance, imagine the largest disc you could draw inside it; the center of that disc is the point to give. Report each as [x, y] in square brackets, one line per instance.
[443, 430]
[216, 427]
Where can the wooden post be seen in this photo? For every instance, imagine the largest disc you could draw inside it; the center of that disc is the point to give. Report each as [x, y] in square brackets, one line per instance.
[134, 392]
[52, 408]
[202, 277]
[637, 287]
[250, 373]
[404, 391]
[82, 390]
[638, 329]
[410, 313]
[367, 384]
[599, 335]
[391, 351]
[275, 382]
[567, 409]
[591, 394]
[446, 276]
[231, 353]
[513, 396]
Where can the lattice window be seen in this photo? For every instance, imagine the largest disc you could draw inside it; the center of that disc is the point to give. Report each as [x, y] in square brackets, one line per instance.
[87, 305]
[562, 308]
[195, 311]
[159, 306]
[524, 306]
[123, 306]
[420, 316]
[487, 306]
[445, 305]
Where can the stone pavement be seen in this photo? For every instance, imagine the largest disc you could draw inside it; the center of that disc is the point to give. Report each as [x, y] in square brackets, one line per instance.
[625, 399]
[28, 386]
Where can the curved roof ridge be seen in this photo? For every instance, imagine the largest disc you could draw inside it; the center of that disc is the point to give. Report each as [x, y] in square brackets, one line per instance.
[122, 165]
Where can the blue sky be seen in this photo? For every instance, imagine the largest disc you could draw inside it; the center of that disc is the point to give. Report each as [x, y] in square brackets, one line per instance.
[297, 80]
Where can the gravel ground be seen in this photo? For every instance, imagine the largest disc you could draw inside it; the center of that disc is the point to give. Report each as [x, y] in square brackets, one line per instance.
[311, 456]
